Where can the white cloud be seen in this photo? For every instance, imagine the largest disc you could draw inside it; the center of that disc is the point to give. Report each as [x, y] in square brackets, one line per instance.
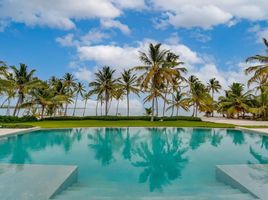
[84, 74]
[67, 40]
[62, 13]
[93, 36]
[109, 23]
[207, 13]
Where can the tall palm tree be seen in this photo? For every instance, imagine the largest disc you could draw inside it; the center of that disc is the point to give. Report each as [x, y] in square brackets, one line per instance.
[198, 94]
[80, 89]
[179, 101]
[86, 97]
[69, 83]
[24, 81]
[128, 83]
[118, 96]
[154, 73]
[213, 86]
[104, 85]
[259, 69]
[9, 89]
[172, 61]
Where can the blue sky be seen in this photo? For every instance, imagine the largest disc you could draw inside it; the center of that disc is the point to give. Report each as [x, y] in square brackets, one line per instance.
[213, 38]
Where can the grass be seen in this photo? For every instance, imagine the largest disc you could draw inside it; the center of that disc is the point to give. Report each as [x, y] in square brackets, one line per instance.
[125, 123]
[255, 126]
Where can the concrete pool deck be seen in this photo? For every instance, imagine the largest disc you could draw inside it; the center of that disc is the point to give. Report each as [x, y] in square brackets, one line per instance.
[11, 131]
[240, 122]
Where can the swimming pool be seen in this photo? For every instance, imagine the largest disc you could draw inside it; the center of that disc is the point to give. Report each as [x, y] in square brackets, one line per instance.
[140, 163]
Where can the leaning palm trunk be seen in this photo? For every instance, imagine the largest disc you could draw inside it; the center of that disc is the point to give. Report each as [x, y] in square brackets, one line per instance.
[177, 113]
[16, 110]
[172, 110]
[85, 108]
[97, 105]
[8, 107]
[66, 108]
[156, 106]
[75, 104]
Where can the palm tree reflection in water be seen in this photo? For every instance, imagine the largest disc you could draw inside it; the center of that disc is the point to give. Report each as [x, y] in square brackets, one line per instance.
[162, 158]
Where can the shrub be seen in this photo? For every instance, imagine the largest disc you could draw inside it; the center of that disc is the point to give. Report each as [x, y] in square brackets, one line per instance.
[15, 126]
[117, 118]
[11, 119]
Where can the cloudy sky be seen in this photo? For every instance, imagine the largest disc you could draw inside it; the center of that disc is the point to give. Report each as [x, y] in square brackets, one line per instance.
[213, 37]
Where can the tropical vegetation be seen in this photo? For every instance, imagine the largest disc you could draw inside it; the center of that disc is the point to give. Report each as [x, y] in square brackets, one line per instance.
[161, 80]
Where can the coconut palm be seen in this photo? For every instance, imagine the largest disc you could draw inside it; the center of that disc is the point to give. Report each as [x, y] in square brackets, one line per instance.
[154, 73]
[128, 83]
[69, 83]
[8, 84]
[118, 96]
[80, 89]
[213, 86]
[23, 81]
[236, 101]
[172, 61]
[86, 97]
[198, 94]
[104, 85]
[179, 101]
[261, 68]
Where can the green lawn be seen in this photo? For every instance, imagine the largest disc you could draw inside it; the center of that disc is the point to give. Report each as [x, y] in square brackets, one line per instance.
[125, 123]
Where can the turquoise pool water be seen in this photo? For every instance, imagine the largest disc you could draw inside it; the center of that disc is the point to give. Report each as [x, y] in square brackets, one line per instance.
[135, 163]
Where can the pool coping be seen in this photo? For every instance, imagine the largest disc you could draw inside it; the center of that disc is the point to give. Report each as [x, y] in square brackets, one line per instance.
[29, 130]
[19, 132]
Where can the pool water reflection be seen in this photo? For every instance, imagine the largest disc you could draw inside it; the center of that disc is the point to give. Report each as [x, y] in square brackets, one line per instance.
[147, 160]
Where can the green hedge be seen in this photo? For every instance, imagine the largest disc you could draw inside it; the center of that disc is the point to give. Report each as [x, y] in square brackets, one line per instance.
[11, 119]
[117, 118]
[15, 126]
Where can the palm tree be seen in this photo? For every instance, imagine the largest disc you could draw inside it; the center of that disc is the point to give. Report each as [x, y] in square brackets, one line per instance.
[213, 86]
[155, 74]
[128, 83]
[105, 84]
[68, 83]
[179, 101]
[24, 81]
[172, 61]
[118, 96]
[236, 101]
[259, 69]
[86, 97]
[80, 89]
[198, 94]
[8, 89]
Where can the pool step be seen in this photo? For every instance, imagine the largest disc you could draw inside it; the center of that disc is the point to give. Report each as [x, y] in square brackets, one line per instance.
[247, 178]
[102, 192]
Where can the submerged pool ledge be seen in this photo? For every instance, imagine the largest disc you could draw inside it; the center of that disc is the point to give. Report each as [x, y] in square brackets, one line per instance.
[31, 182]
[251, 178]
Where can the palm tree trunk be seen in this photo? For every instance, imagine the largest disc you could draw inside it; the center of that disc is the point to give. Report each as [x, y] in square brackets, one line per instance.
[42, 112]
[97, 105]
[117, 107]
[213, 101]
[75, 104]
[128, 103]
[193, 110]
[101, 107]
[66, 108]
[152, 117]
[106, 103]
[8, 107]
[177, 112]
[172, 109]
[156, 106]
[164, 106]
[85, 107]
[17, 105]
[196, 109]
